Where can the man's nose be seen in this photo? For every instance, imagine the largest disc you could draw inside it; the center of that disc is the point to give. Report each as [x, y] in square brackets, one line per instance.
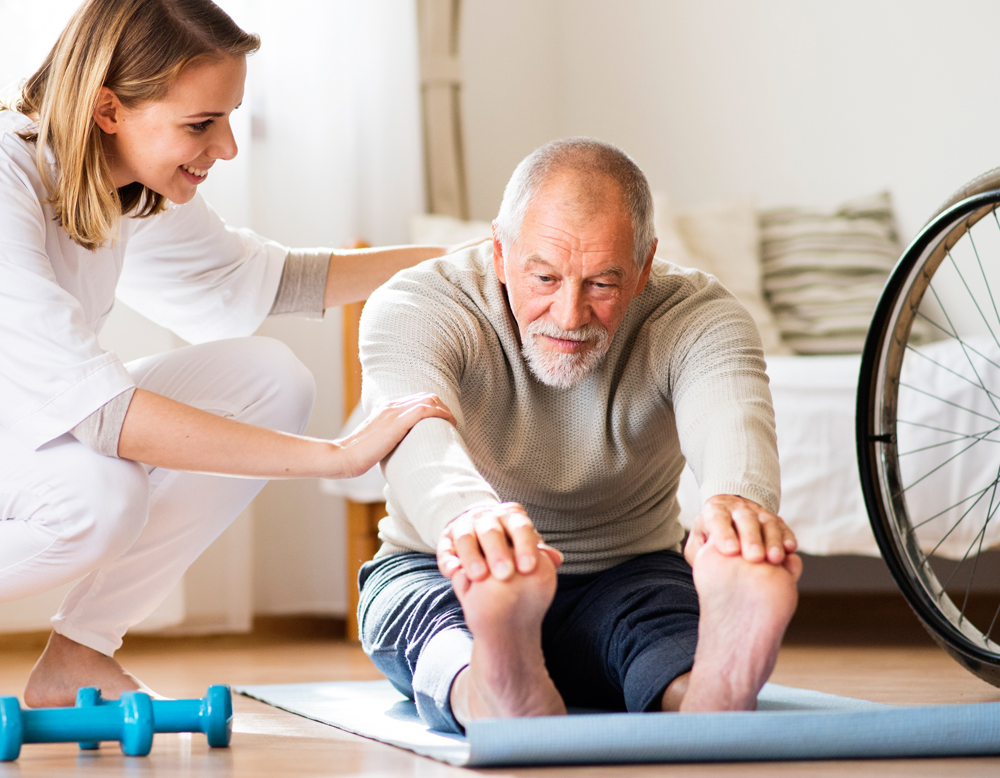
[570, 310]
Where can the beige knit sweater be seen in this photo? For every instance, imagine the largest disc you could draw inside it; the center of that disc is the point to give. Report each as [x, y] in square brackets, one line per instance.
[596, 466]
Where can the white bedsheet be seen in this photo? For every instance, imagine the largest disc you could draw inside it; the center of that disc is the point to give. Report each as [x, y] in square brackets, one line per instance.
[821, 497]
[814, 404]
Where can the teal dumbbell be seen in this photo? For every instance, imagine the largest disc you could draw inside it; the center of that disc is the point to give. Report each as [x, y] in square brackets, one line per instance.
[212, 714]
[128, 720]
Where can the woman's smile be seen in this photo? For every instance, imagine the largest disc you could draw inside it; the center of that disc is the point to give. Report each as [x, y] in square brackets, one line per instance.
[147, 143]
[194, 174]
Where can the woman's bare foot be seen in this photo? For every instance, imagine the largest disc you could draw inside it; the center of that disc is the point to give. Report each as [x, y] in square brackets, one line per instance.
[506, 676]
[66, 665]
[745, 608]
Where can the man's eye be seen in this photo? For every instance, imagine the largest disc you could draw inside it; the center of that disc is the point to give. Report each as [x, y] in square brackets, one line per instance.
[544, 279]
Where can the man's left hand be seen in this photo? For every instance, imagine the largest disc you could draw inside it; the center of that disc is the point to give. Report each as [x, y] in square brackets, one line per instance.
[736, 525]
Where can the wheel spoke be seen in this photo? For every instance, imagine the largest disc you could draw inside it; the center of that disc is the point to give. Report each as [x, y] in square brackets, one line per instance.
[942, 429]
[978, 539]
[990, 513]
[982, 271]
[954, 526]
[960, 341]
[953, 336]
[975, 302]
[931, 472]
[953, 372]
[947, 402]
[918, 525]
[945, 443]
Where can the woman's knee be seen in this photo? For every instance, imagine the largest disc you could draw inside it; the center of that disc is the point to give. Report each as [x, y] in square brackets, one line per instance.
[284, 389]
[108, 509]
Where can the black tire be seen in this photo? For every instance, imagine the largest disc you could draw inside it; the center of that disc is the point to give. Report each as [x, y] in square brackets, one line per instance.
[909, 530]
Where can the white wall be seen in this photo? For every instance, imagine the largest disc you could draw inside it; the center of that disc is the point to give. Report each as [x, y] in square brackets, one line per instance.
[792, 102]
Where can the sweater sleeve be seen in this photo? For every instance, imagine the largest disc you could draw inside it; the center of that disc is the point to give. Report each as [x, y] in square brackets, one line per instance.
[715, 378]
[415, 337]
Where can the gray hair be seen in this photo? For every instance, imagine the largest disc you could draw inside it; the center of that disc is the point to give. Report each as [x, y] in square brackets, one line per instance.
[585, 155]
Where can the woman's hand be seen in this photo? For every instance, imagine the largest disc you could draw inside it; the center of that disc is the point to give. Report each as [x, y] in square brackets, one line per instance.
[164, 433]
[385, 426]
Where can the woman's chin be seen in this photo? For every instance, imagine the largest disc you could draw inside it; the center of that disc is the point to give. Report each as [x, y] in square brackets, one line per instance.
[179, 196]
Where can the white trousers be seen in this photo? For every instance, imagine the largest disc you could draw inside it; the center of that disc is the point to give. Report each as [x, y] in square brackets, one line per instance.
[132, 530]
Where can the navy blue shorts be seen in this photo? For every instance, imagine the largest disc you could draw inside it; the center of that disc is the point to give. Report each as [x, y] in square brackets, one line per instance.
[613, 639]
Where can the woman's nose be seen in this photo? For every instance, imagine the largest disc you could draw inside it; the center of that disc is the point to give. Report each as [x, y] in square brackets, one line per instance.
[224, 144]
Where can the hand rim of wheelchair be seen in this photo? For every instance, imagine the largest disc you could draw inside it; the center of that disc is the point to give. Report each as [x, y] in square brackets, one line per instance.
[878, 463]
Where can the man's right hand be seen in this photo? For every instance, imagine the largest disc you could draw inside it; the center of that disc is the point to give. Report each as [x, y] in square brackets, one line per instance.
[492, 540]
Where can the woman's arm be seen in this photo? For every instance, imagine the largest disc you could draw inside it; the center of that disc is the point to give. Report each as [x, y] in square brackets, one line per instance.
[162, 432]
[355, 273]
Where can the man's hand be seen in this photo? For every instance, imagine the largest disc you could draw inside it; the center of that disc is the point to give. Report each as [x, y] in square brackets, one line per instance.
[492, 539]
[737, 525]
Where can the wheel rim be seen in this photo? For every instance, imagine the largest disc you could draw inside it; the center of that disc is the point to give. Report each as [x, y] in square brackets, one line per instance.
[912, 523]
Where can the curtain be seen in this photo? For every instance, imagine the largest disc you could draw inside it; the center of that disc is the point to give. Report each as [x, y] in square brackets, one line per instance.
[331, 150]
[441, 95]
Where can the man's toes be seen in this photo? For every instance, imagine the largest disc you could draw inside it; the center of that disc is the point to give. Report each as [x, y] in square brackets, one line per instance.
[793, 564]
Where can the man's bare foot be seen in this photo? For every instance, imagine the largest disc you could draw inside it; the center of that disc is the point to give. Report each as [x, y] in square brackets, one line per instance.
[66, 665]
[507, 675]
[745, 607]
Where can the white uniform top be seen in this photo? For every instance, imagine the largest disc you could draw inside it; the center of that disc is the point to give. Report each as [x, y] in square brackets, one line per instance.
[184, 269]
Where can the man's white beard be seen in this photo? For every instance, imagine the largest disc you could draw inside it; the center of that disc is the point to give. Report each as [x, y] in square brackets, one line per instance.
[555, 368]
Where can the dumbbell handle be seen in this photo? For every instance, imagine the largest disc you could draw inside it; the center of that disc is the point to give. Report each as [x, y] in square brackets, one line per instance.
[212, 714]
[61, 725]
[179, 715]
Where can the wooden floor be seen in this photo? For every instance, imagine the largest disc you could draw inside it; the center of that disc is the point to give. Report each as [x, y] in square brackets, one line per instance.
[863, 647]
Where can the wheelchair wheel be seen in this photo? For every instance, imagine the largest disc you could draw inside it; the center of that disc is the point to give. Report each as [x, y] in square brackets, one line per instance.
[928, 426]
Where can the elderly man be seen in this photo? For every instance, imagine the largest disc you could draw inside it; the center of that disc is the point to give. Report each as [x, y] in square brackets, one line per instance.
[582, 373]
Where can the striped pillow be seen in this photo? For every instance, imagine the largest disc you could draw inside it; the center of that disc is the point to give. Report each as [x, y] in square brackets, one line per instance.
[822, 273]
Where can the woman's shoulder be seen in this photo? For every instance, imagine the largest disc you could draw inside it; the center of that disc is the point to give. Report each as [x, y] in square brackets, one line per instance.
[15, 152]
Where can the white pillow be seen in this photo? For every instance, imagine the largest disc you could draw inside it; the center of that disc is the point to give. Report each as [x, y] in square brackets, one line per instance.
[722, 239]
[436, 230]
[824, 271]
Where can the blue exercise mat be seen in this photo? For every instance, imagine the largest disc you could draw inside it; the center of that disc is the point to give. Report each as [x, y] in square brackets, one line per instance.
[789, 724]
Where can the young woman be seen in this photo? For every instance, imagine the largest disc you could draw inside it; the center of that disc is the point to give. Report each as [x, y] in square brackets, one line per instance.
[117, 472]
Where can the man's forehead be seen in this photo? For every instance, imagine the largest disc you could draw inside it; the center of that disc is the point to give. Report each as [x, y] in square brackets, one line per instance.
[595, 262]
[555, 227]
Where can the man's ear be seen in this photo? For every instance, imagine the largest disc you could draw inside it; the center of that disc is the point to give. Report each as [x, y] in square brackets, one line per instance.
[498, 264]
[644, 275]
[107, 111]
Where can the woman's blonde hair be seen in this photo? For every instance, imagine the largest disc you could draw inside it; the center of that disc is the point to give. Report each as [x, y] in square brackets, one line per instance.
[135, 48]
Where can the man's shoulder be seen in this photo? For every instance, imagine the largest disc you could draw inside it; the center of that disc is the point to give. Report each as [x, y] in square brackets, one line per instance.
[459, 280]
[465, 270]
[451, 293]
[673, 288]
[680, 306]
